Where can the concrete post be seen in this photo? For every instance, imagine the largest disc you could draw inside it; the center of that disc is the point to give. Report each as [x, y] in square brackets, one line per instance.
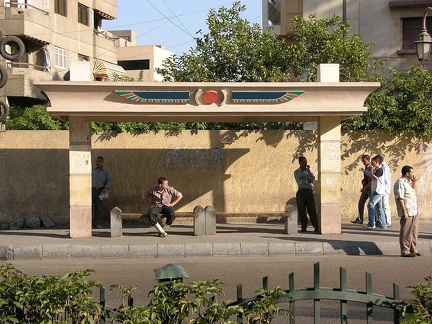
[80, 177]
[199, 221]
[116, 222]
[210, 220]
[329, 162]
[329, 167]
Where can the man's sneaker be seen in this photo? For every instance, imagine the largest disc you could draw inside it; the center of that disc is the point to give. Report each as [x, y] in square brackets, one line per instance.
[369, 227]
[162, 234]
[356, 221]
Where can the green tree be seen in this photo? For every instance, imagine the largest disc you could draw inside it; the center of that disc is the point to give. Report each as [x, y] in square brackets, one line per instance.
[403, 104]
[34, 118]
[234, 50]
[319, 41]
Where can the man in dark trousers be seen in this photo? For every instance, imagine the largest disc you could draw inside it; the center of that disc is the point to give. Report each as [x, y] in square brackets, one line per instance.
[305, 196]
[101, 183]
[365, 190]
[159, 199]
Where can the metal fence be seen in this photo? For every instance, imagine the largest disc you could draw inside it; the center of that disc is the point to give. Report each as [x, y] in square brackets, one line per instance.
[315, 294]
[341, 294]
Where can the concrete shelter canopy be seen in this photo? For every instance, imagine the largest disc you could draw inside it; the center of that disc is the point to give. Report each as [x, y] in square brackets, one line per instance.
[208, 102]
[324, 102]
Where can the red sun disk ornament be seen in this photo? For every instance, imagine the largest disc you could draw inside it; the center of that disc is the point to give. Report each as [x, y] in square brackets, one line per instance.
[210, 97]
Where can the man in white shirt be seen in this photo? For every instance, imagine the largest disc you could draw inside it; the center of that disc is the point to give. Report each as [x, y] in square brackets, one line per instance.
[386, 197]
[407, 208]
[377, 192]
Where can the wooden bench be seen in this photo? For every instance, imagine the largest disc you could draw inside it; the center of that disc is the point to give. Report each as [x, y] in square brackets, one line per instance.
[202, 220]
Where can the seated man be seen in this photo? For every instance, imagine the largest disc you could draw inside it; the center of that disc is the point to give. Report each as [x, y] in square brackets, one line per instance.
[158, 198]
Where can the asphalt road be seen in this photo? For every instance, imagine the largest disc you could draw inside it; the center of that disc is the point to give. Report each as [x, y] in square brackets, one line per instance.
[385, 271]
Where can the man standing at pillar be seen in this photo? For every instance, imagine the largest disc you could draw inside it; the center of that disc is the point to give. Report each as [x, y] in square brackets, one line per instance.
[159, 199]
[305, 196]
[365, 190]
[101, 183]
[406, 204]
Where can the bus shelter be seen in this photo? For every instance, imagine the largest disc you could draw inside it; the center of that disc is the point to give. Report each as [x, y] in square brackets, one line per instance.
[326, 103]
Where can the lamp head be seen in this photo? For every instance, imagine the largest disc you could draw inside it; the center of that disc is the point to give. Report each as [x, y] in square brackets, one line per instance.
[423, 46]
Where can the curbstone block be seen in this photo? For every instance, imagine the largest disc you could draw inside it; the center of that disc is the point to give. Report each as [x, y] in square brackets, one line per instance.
[224, 249]
[248, 249]
[27, 252]
[143, 251]
[171, 250]
[308, 248]
[278, 249]
[56, 251]
[5, 252]
[114, 251]
[195, 249]
[85, 251]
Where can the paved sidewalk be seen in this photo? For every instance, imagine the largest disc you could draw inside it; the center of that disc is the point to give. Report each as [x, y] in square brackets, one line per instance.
[140, 241]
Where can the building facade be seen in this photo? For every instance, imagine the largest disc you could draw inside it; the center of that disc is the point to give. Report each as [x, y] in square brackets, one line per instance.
[55, 33]
[391, 25]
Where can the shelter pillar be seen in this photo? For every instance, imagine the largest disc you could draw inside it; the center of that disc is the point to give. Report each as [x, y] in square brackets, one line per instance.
[329, 164]
[80, 177]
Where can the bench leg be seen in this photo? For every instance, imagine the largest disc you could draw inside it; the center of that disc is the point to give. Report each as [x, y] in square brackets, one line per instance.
[116, 222]
[210, 220]
[291, 223]
[199, 221]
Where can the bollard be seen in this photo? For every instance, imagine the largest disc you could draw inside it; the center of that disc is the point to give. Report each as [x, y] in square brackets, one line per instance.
[116, 222]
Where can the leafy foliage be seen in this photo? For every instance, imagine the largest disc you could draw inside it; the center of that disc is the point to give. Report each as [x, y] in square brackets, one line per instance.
[176, 301]
[232, 51]
[330, 41]
[419, 310]
[34, 118]
[403, 104]
[263, 310]
[51, 299]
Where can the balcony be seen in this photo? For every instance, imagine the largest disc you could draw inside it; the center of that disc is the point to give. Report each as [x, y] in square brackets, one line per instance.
[22, 4]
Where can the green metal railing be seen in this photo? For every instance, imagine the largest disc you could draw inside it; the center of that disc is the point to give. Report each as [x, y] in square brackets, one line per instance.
[315, 294]
[342, 294]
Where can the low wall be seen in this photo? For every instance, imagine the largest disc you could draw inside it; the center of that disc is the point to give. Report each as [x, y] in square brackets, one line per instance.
[235, 171]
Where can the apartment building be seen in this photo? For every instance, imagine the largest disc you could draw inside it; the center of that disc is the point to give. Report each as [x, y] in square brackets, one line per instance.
[55, 33]
[391, 25]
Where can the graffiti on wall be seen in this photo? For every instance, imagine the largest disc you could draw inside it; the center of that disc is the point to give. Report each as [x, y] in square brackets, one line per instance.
[184, 157]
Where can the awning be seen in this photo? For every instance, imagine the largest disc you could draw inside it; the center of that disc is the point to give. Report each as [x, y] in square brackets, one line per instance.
[107, 71]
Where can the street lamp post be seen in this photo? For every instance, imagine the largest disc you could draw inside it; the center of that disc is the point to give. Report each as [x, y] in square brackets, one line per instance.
[424, 43]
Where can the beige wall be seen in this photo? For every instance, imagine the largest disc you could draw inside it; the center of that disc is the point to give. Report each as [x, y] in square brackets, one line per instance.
[235, 171]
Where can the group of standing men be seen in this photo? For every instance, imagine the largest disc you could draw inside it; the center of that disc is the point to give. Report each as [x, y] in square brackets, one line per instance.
[376, 186]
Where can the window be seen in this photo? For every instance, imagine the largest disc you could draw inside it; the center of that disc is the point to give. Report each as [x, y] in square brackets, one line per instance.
[60, 7]
[410, 29]
[83, 14]
[135, 65]
[61, 57]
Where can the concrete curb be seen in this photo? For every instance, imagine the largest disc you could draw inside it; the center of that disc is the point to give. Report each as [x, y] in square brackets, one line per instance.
[166, 250]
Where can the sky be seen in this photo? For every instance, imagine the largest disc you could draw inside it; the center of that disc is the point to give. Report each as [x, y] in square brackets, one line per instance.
[172, 23]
